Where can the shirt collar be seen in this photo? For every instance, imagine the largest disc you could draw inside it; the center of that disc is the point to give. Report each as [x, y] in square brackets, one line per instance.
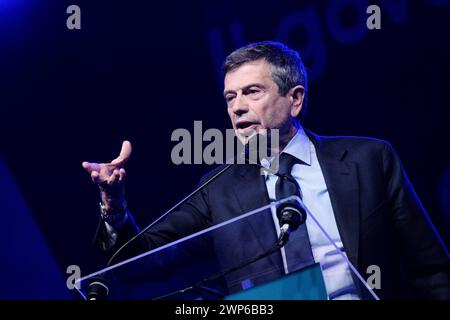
[299, 146]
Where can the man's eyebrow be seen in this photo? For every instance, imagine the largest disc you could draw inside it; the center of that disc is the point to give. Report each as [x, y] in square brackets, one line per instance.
[259, 85]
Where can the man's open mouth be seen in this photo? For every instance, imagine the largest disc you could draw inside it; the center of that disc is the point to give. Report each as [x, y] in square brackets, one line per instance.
[245, 125]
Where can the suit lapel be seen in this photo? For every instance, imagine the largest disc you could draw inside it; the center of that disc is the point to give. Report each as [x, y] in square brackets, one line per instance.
[341, 178]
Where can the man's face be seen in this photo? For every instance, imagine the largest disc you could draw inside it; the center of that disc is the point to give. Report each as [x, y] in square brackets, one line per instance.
[254, 103]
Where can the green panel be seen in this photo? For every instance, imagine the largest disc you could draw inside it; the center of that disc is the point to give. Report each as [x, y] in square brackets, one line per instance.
[305, 284]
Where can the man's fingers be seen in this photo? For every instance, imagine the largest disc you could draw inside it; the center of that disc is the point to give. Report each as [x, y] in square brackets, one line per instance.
[90, 167]
[114, 177]
[95, 177]
[122, 175]
[124, 155]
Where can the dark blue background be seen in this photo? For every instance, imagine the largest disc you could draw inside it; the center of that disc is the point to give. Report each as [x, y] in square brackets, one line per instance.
[138, 70]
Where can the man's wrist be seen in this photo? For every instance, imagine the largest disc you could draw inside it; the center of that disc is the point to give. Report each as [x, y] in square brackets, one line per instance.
[112, 215]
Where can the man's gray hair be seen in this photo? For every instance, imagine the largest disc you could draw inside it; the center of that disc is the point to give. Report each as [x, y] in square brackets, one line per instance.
[288, 70]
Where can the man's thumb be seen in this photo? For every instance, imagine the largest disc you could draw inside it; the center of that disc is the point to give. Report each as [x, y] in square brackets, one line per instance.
[124, 155]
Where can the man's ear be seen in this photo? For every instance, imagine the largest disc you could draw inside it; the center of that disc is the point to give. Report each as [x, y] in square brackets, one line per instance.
[297, 96]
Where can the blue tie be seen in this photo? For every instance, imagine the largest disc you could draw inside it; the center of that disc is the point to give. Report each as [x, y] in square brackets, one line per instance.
[298, 249]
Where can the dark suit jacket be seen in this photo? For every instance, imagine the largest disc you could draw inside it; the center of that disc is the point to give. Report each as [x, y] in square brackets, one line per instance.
[379, 217]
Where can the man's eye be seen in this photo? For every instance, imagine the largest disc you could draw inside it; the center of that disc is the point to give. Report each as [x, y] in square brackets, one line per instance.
[253, 92]
[229, 98]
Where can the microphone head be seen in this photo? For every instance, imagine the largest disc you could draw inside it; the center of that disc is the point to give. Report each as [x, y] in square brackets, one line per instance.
[98, 289]
[291, 213]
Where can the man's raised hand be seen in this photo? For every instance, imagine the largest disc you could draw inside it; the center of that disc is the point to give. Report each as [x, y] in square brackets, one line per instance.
[110, 177]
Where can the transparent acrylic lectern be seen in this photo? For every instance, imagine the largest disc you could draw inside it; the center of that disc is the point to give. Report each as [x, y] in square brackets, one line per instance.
[235, 259]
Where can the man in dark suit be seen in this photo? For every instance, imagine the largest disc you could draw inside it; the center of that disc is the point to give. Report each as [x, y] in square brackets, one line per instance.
[356, 186]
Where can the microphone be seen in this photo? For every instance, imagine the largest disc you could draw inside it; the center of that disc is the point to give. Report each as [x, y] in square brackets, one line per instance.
[98, 289]
[290, 215]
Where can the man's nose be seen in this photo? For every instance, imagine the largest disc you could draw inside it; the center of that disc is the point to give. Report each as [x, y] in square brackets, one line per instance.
[240, 105]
